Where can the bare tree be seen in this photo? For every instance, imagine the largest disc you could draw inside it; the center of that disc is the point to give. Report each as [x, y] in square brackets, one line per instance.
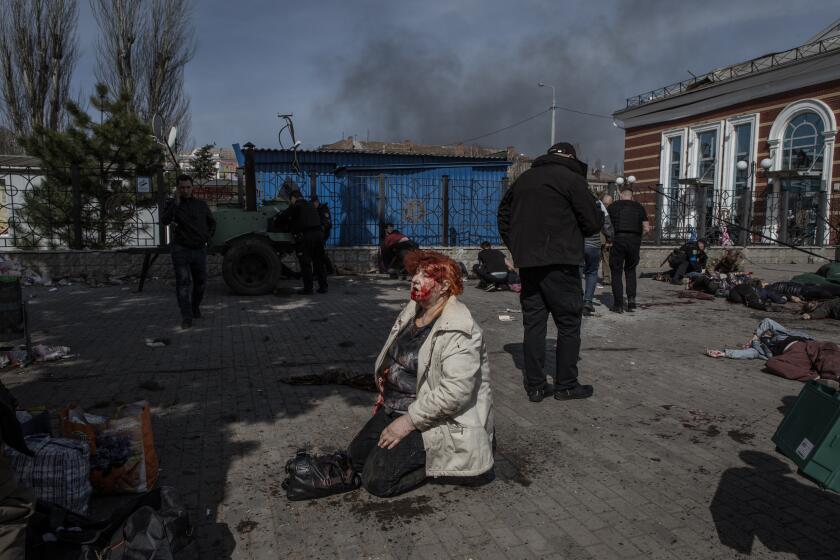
[37, 57]
[144, 48]
[167, 46]
[120, 23]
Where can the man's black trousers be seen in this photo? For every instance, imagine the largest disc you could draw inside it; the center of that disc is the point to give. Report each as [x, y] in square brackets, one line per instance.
[311, 255]
[624, 258]
[553, 289]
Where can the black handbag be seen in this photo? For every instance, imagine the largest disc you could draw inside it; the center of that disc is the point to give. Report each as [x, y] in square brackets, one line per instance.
[315, 476]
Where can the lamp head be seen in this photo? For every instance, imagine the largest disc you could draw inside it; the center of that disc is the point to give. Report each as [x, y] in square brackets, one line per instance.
[631, 179]
[766, 163]
[742, 165]
[541, 84]
[619, 181]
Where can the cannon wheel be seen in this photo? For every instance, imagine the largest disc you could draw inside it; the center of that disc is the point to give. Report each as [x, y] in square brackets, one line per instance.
[251, 267]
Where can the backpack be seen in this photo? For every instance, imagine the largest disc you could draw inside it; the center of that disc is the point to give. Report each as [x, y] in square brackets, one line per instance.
[317, 476]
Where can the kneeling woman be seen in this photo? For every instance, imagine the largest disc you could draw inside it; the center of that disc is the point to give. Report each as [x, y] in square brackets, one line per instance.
[434, 415]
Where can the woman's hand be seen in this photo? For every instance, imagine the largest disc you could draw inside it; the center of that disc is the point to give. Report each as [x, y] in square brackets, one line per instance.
[396, 431]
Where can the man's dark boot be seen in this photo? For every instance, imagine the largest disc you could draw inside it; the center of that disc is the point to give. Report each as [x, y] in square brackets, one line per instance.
[618, 307]
[588, 309]
[631, 304]
[579, 392]
[537, 395]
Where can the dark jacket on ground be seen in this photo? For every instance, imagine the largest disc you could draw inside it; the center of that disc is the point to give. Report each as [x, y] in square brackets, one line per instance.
[193, 221]
[749, 296]
[544, 216]
[827, 310]
[812, 359]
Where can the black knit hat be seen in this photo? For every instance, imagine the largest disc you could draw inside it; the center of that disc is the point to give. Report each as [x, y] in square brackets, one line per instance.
[563, 148]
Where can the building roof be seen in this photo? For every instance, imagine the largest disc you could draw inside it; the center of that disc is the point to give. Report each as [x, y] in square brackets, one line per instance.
[19, 161]
[408, 147]
[825, 42]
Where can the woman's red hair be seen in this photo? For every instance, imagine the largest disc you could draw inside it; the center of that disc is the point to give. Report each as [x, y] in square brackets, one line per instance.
[438, 266]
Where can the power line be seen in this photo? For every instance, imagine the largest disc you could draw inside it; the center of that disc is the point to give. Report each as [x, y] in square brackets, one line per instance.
[508, 127]
[532, 117]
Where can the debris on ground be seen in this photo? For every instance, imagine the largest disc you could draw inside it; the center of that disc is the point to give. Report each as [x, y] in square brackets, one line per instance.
[159, 342]
[335, 376]
[44, 353]
[505, 318]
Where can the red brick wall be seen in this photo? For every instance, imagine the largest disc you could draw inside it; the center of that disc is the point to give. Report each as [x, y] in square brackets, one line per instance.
[642, 145]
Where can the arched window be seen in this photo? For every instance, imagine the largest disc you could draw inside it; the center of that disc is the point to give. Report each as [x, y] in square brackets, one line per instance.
[804, 142]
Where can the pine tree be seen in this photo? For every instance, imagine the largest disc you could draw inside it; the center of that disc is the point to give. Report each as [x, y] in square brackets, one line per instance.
[203, 166]
[109, 155]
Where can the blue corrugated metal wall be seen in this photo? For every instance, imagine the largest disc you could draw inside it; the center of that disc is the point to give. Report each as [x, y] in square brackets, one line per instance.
[412, 186]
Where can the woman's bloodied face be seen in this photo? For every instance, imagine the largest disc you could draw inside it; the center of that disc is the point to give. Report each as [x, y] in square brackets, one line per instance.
[425, 290]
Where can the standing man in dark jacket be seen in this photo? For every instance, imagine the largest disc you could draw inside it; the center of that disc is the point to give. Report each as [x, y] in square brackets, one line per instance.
[543, 219]
[192, 227]
[326, 227]
[630, 222]
[305, 225]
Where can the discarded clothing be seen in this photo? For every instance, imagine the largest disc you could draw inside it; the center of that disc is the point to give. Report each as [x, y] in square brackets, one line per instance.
[803, 361]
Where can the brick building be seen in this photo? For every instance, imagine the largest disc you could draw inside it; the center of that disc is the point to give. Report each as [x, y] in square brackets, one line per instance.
[686, 141]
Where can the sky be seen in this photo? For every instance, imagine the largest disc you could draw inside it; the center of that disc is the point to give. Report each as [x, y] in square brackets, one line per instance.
[447, 71]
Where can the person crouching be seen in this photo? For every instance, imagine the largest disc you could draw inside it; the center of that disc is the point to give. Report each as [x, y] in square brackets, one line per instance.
[434, 415]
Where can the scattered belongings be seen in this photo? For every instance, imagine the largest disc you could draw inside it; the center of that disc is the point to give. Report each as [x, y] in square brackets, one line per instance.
[317, 476]
[505, 318]
[58, 470]
[154, 525]
[44, 353]
[123, 457]
[694, 294]
[335, 376]
[158, 342]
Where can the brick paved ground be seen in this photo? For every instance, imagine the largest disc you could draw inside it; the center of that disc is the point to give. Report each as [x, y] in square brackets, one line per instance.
[672, 458]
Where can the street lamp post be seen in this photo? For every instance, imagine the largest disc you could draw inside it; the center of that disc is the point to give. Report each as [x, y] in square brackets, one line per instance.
[553, 107]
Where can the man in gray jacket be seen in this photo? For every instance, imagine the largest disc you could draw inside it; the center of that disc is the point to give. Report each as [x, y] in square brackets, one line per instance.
[591, 259]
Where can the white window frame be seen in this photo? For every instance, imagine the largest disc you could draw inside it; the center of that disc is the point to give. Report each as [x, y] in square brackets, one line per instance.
[730, 161]
[665, 164]
[775, 141]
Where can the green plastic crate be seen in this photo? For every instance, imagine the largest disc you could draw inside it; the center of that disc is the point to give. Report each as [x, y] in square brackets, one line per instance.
[810, 434]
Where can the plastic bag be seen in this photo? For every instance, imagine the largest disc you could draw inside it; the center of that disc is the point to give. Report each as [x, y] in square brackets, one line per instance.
[316, 476]
[123, 457]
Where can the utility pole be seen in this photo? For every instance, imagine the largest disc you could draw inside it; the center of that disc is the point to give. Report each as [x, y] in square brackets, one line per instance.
[553, 108]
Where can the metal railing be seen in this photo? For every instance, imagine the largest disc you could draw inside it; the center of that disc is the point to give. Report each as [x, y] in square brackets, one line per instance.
[753, 66]
[732, 217]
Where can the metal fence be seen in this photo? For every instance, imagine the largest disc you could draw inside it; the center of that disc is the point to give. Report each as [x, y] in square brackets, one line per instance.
[454, 210]
[795, 217]
[74, 209]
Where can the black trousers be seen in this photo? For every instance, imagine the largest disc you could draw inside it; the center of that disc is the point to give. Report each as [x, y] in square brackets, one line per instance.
[556, 290]
[624, 258]
[190, 278]
[387, 472]
[312, 258]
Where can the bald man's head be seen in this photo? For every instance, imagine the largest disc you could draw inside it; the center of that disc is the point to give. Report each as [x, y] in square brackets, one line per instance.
[627, 194]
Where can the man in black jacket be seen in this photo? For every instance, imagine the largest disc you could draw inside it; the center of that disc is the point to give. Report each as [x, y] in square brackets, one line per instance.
[543, 218]
[192, 227]
[305, 224]
[629, 221]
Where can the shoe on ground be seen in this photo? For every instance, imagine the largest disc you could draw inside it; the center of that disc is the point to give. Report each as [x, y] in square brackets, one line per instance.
[579, 392]
[631, 305]
[196, 313]
[537, 395]
[588, 309]
[491, 288]
[186, 324]
[617, 308]
[322, 290]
